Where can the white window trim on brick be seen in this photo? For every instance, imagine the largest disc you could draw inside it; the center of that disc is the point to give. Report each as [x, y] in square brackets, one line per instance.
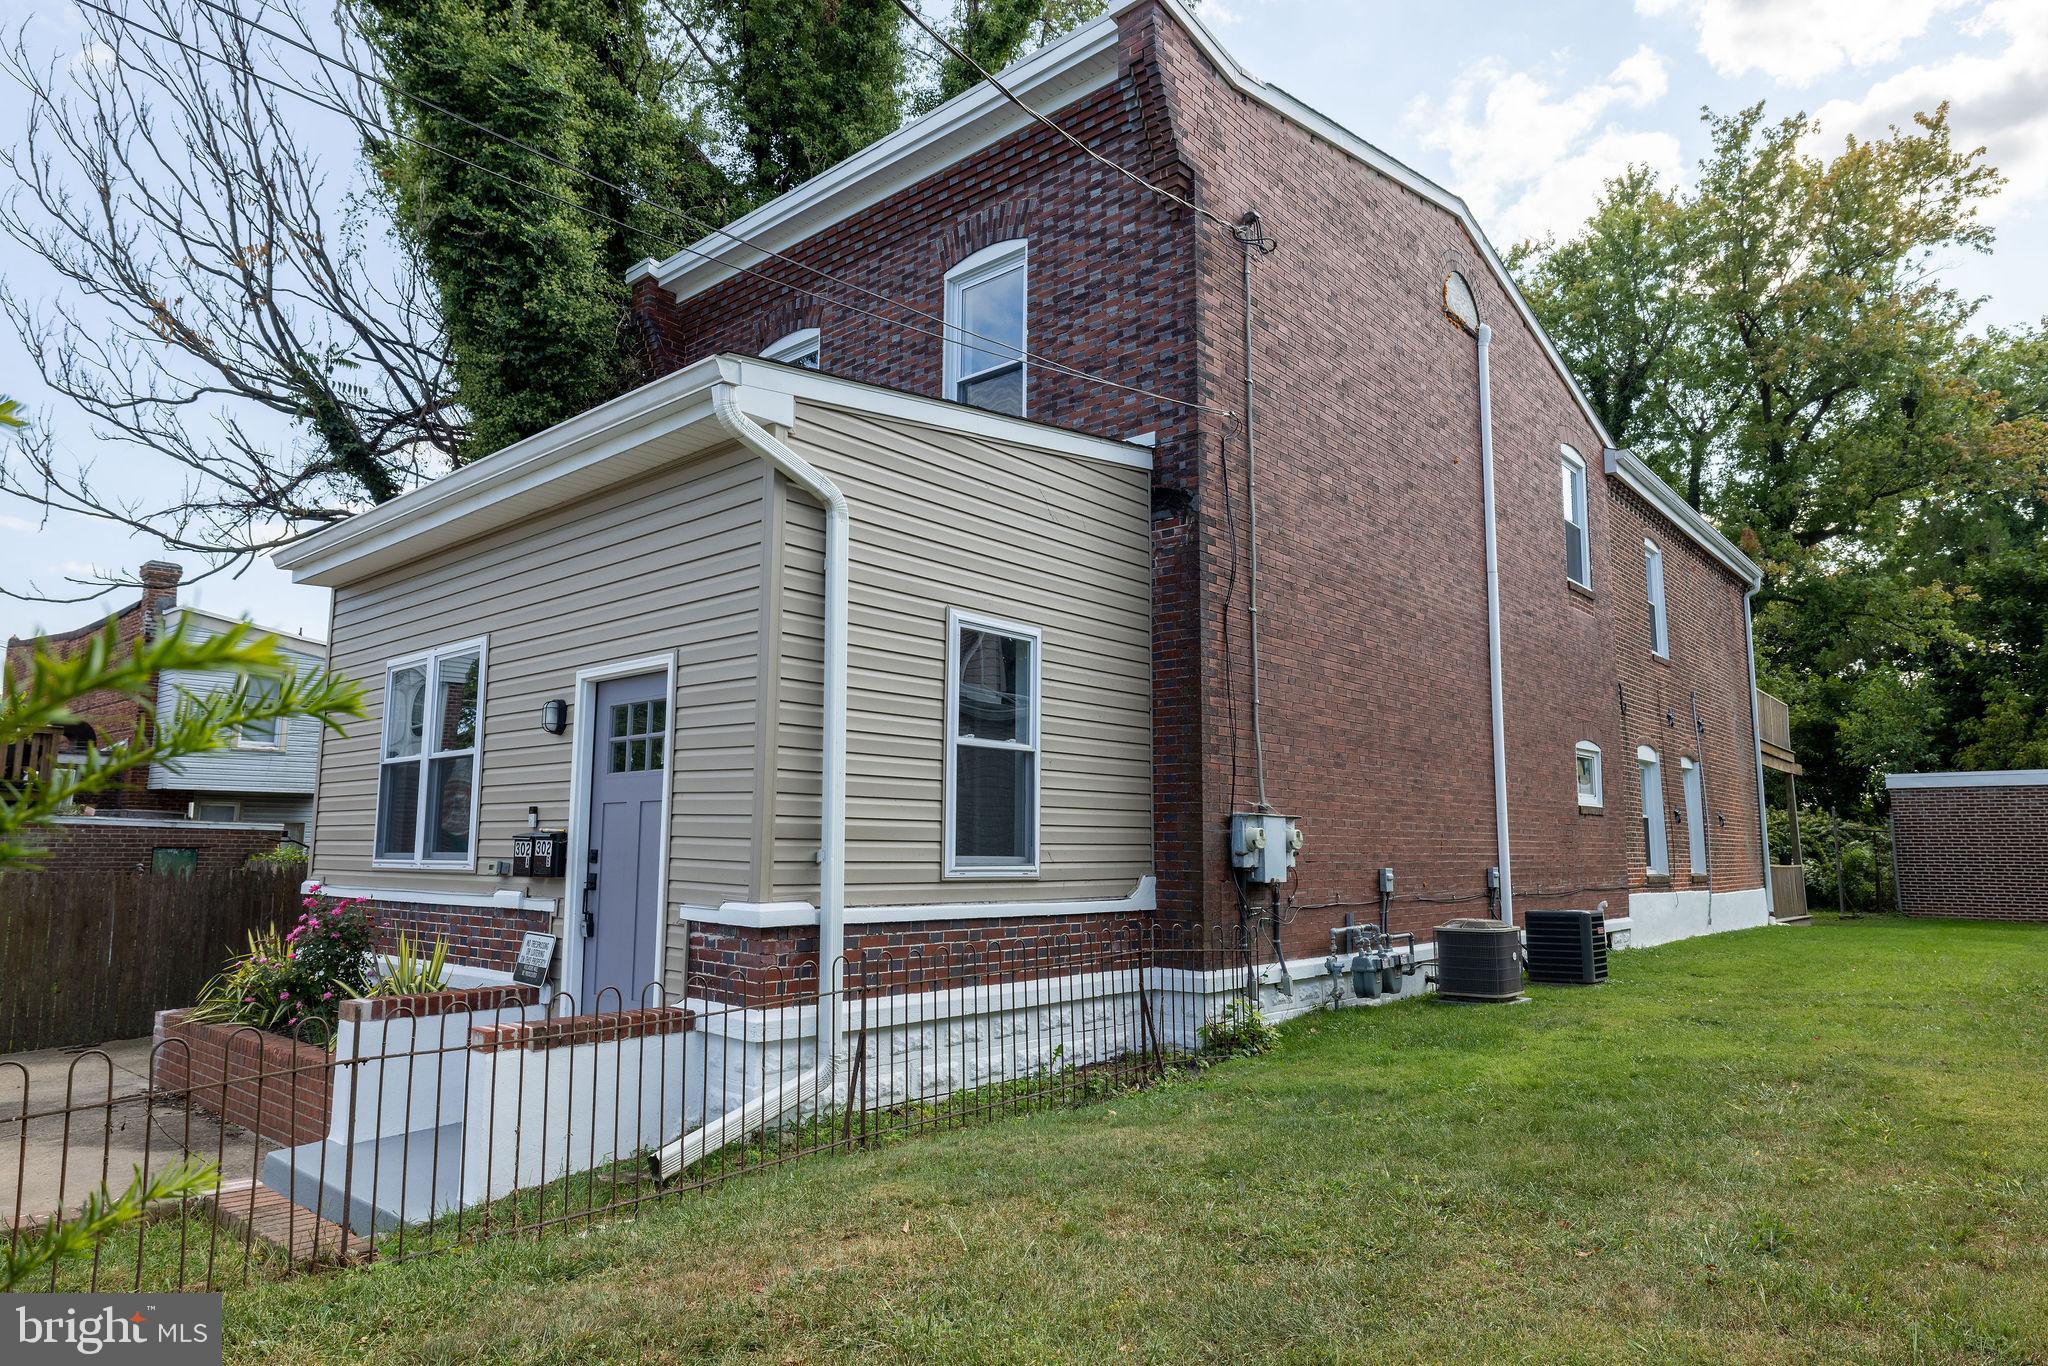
[1656, 846]
[804, 347]
[1594, 800]
[1653, 589]
[430, 660]
[1577, 523]
[956, 622]
[985, 265]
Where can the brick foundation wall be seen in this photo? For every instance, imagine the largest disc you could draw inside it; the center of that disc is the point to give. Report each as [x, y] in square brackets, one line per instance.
[478, 936]
[262, 1082]
[1974, 852]
[90, 845]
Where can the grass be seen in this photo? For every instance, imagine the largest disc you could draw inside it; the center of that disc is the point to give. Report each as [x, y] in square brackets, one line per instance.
[1781, 1145]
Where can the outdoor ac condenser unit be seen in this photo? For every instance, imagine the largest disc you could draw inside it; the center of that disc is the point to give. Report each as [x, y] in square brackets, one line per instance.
[1566, 947]
[1478, 960]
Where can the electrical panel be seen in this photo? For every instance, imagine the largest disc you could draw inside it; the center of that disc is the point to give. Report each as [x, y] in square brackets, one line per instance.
[1264, 846]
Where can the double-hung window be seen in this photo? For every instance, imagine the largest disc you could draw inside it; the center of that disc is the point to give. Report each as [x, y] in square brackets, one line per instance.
[1653, 580]
[1578, 540]
[992, 734]
[985, 298]
[427, 770]
[1587, 755]
[260, 734]
[1656, 853]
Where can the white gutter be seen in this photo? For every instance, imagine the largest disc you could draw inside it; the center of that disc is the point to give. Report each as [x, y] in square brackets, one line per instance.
[1500, 739]
[832, 835]
[1756, 733]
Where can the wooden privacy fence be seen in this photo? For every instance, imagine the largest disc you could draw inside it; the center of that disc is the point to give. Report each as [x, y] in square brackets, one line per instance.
[88, 957]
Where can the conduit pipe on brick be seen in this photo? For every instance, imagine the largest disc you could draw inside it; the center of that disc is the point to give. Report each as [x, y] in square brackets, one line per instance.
[726, 409]
[1756, 735]
[1493, 669]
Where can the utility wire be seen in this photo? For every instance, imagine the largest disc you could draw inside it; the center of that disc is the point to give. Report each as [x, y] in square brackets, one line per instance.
[949, 332]
[947, 43]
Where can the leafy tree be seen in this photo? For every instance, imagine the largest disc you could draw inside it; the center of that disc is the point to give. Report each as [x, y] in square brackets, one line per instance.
[528, 255]
[994, 33]
[200, 725]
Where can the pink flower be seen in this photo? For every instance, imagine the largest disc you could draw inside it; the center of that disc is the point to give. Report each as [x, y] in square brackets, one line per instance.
[326, 995]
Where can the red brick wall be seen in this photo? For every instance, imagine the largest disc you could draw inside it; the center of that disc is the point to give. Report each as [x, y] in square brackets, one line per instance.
[1976, 852]
[126, 846]
[115, 716]
[478, 936]
[1372, 590]
[266, 1083]
[1704, 612]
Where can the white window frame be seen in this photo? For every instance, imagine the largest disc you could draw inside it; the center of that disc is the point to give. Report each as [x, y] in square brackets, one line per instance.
[984, 265]
[1656, 841]
[234, 809]
[1586, 749]
[274, 745]
[791, 350]
[1692, 780]
[1579, 523]
[957, 621]
[430, 659]
[1653, 590]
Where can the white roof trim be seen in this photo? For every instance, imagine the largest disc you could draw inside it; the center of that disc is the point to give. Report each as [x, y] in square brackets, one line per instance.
[312, 644]
[657, 424]
[2010, 777]
[1629, 467]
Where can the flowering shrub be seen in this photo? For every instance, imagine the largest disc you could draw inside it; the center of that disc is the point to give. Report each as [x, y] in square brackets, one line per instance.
[295, 982]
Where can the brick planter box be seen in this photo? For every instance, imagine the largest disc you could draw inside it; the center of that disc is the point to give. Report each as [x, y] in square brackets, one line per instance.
[265, 1083]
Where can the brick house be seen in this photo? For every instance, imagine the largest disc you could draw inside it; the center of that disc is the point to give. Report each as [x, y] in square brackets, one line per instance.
[1034, 707]
[1971, 845]
[261, 782]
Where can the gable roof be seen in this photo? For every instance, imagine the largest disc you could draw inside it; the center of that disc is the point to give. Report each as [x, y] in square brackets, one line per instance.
[1079, 64]
[655, 425]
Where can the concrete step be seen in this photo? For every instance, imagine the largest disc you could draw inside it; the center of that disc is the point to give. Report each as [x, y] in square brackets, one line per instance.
[249, 1205]
[372, 1186]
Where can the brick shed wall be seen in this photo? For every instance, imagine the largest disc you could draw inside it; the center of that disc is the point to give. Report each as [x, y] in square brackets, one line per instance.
[1979, 852]
[125, 846]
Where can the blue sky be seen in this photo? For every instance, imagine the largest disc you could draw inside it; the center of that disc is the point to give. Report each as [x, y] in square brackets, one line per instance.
[1523, 109]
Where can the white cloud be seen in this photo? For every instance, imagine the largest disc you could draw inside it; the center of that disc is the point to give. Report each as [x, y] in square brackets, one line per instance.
[1996, 98]
[1529, 156]
[10, 522]
[1798, 41]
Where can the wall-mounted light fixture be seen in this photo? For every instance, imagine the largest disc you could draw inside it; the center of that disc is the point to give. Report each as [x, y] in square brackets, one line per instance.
[554, 716]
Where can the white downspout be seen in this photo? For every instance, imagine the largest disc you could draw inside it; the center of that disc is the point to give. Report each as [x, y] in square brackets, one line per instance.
[832, 834]
[1500, 740]
[1756, 734]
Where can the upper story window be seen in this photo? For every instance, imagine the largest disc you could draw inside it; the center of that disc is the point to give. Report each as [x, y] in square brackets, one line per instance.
[1591, 782]
[1656, 852]
[261, 734]
[1578, 540]
[427, 764]
[1653, 581]
[802, 347]
[991, 748]
[985, 297]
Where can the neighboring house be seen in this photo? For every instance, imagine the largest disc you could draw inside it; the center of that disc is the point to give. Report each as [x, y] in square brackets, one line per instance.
[265, 774]
[1970, 845]
[841, 632]
[264, 778]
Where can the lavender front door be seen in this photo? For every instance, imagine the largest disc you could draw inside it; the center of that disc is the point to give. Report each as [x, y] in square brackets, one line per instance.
[622, 896]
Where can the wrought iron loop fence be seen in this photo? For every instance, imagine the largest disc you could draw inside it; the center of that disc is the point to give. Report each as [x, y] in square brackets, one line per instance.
[422, 1123]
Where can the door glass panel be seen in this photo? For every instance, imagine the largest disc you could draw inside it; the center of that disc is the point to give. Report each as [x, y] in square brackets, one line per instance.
[658, 720]
[654, 752]
[619, 726]
[618, 759]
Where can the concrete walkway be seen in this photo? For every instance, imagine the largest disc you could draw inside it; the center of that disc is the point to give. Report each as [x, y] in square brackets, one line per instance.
[113, 1128]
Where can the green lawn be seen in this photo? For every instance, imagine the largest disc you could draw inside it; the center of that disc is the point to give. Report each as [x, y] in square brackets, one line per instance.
[1825, 1144]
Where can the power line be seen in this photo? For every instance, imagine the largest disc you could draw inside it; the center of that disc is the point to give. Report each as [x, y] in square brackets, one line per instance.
[943, 41]
[948, 332]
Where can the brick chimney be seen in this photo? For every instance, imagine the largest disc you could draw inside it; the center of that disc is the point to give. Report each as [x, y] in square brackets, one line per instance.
[160, 579]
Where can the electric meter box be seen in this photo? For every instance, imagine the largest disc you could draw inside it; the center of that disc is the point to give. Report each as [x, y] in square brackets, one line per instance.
[1264, 846]
[542, 854]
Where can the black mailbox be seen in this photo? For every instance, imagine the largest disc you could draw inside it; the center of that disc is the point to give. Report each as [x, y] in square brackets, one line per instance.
[522, 856]
[550, 854]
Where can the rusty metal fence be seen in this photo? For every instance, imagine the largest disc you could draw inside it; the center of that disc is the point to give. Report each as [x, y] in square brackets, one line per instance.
[425, 1123]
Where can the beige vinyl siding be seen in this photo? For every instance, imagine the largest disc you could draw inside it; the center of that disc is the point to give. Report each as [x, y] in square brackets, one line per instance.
[672, 562]
[948, 520]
